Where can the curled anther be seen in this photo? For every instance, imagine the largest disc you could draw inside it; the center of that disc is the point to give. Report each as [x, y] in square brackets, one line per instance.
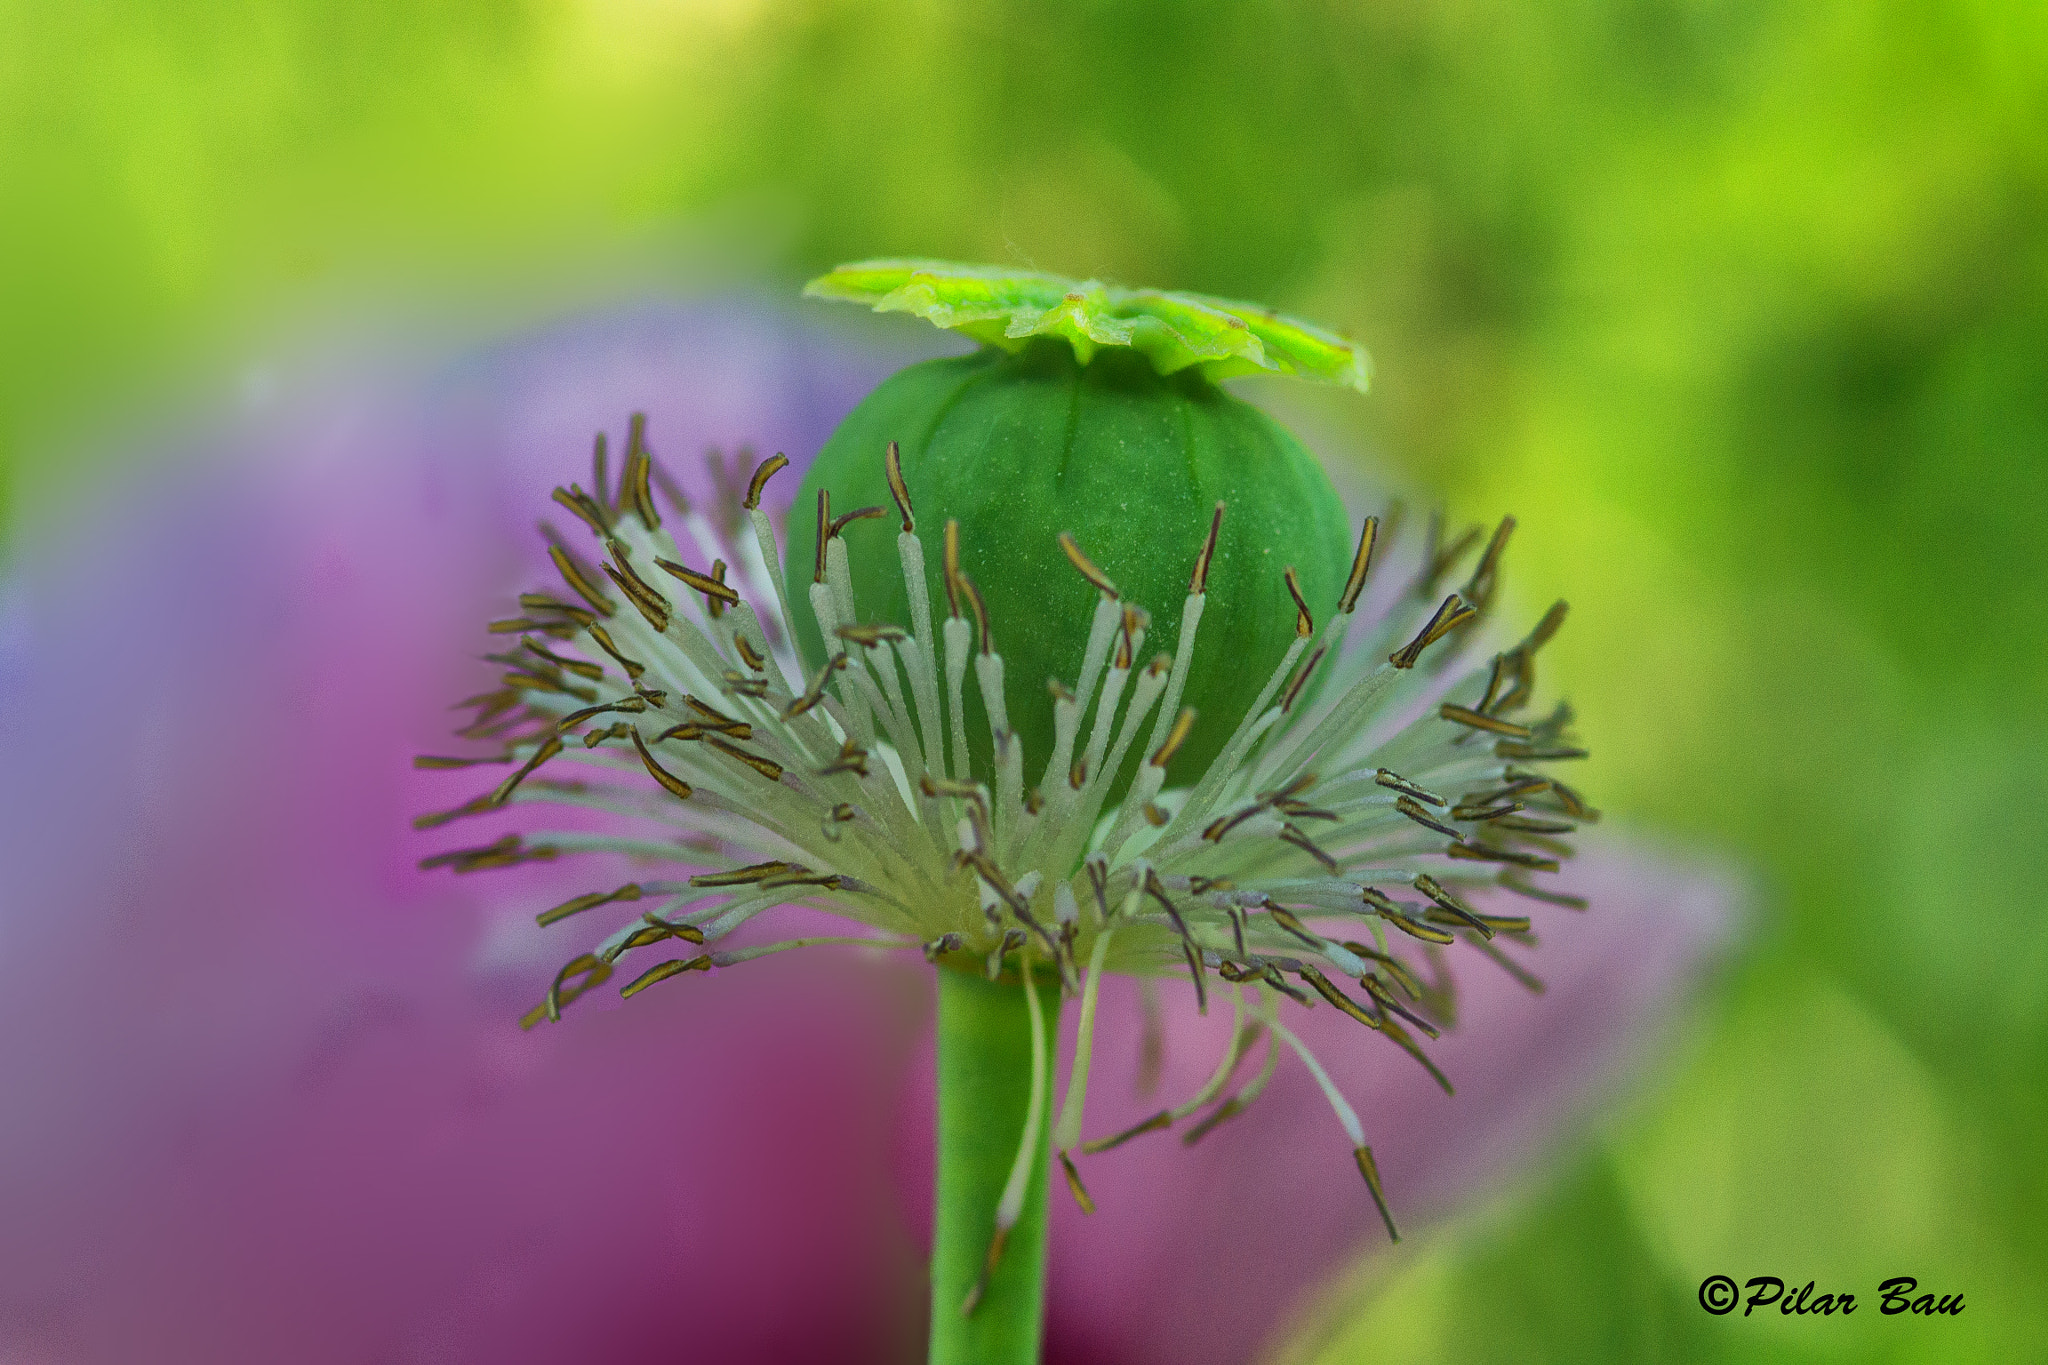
[1304, 620]
[1157, 891]
[951, 565]
[943, 944]
[846, 519]
[892, 466]
[591, 972]
[1198, 581]
[1087, 569]
[1361, 564]
[769, 468]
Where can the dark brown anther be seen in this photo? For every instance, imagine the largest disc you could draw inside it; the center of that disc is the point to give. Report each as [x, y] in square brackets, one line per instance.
[1384, 998]
[1573, 804]
[1432, 888]
[943, 944]
[1522, 752]
[1159, 1121]
[675, 966]
[546, 751]
[840, 523]
[1198, 581]
[1074, 1185]
[740, 685]
[892, 465]
[951, 565]
[579, 581]
[852, 759]
[1415, 811]
[1361, 564]
[651, 933]
[1237, 918]
[1287, 920]
[1453, 612]
[751, 657]
[871, 636]
[711, 587]
[1479, 587]
[1097, 870]
[1229, 1109]
[479, 806]
[536, 601]
[1328, 990]
[1304, 621]
[745, 876]
[631, 705]
[824, 533]
[815, 693]
[509, 851]
[769, 468]
[1479, 720]
[980, 610]
[1514, 881]
[1270, 973]
[1175, 737]
[1437, 558]
[1155, 815]
[629, 892]
[1299, 682]
[1157, 891]
[1522, 824]
[1474, 853]
[996, 1244]
[1392, 965]
[768, 768]
[1483, 813]
[651, 605]
[675, 786]
[580, 667]
[585, 509]
[633, 669]
[633, 489]
[1368, 1168]
[1401, 784]
[1086, 567]
[436, 761]
[1291, 834]
[1524, 978]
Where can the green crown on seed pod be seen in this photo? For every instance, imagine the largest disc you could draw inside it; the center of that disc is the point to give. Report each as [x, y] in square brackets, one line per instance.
[1090, 411]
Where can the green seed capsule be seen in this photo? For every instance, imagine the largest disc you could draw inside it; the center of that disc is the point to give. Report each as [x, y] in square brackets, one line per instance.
[1025, 440]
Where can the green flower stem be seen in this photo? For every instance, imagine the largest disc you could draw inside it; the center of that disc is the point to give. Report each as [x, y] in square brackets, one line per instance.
[984, 1089]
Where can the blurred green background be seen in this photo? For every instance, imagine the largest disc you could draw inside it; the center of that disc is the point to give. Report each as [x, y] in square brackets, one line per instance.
[1740, 305]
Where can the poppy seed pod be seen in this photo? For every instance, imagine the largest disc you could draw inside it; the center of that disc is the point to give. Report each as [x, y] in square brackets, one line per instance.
[1022, 447]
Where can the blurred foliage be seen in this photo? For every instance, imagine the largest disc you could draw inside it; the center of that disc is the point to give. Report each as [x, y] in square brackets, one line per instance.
[1741, 305]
